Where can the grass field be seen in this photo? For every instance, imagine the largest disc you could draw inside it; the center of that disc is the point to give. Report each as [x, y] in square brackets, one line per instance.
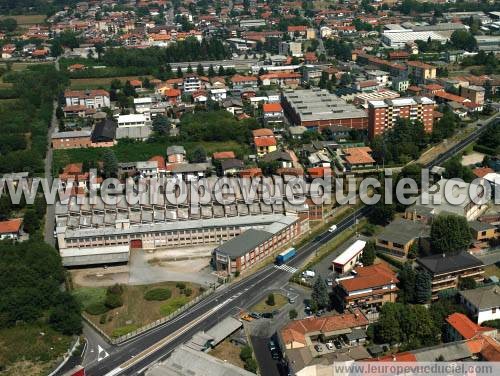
[262, 306]
[134, 152]
[492, 270]
[30, 349]
[94, 83]
[27, 20]
[136, 311]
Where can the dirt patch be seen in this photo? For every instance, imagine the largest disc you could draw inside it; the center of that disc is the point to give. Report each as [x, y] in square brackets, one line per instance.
[228, 352]
[100, 277]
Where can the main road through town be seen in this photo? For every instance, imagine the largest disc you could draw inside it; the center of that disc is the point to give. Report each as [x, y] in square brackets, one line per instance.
[135, 356]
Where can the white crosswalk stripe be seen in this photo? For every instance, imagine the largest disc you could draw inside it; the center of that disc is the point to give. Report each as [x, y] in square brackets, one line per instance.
[286, 268]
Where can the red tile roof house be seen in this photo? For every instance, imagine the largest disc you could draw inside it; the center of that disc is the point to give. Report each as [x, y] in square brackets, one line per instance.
[461, 327]
[273, 113]
[10, 229]
[373, 285]
[301, 333]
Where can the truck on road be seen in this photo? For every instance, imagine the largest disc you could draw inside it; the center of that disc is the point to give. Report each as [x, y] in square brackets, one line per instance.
[286, 256]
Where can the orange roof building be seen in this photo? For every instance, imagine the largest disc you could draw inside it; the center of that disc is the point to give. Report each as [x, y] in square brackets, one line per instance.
[358, 156]
[10, 229]
[465, 328]
[223, 155]
[272, 108]
[295, 334]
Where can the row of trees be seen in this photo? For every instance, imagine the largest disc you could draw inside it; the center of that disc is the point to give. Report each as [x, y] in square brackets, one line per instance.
[187, 50]
[28, 117]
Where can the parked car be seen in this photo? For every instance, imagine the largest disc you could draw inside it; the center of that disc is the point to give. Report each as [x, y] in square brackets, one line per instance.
[329, 345]
[254, 315]
[329, 281]
[318, 347]
[337, 344]
[291, 300]
[267, 315]
[272, 345]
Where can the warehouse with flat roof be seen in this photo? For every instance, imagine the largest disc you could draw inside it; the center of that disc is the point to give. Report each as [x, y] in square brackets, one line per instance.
[318, 108]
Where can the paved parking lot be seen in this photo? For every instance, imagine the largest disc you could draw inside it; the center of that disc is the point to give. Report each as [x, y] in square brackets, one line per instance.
[323, 268]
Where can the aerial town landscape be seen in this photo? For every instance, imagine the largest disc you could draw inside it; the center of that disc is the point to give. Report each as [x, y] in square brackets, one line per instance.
[239, 187]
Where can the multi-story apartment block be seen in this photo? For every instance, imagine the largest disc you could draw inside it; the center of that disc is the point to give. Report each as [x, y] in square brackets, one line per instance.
[421, 71]
[372, 286]
[382, 115]
[191, 83]
[473, 93]
[88, 98]
[447, 270]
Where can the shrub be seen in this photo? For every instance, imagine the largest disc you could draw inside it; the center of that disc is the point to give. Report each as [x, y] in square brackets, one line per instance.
[251, 365]
[116, 289]
[113, 301]
[292, 314]
[188, 292]
[202, 289]
[236, 274]
[245, 353]
[158, 294]
[96, 309]
[102, 319]
[180, 285]
[270, 300]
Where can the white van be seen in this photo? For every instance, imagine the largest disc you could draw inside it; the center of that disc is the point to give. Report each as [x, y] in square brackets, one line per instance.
[332, 228]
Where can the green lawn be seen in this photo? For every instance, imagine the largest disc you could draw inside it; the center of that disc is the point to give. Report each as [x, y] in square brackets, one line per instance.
[30, 349]
[136, 311]
[140, 151]
[262, 306]
[492, 270]
[90, 295]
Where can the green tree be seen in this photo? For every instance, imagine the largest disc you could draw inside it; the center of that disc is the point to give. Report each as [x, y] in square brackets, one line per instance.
[450, 234]
[388, 329]
[292, 314]
[423, 286]
[199, 155]
[110, 164]
[406, 277]
[270, 300]
[319, 293]
[381, 213]
[200, 70]
[464, 40]
[368, 256]
[179, 72]
[31, 221]
[467, 283]
[161, 125]
[8, 24]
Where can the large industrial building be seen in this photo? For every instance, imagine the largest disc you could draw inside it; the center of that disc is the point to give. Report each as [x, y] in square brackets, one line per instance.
[102, 233]
[316, 109]
[382, 115]
[254, 245]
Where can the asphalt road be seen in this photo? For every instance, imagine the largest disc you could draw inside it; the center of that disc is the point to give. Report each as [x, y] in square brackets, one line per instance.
[50, 213]
[225, 302]
[161, 341]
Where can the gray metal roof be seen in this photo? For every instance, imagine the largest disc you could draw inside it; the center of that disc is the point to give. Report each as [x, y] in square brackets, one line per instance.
[188, 362]
[449, 351]
[244, 243]
[483, 297]
[442, 264]
[402, 231]
[481, 226]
